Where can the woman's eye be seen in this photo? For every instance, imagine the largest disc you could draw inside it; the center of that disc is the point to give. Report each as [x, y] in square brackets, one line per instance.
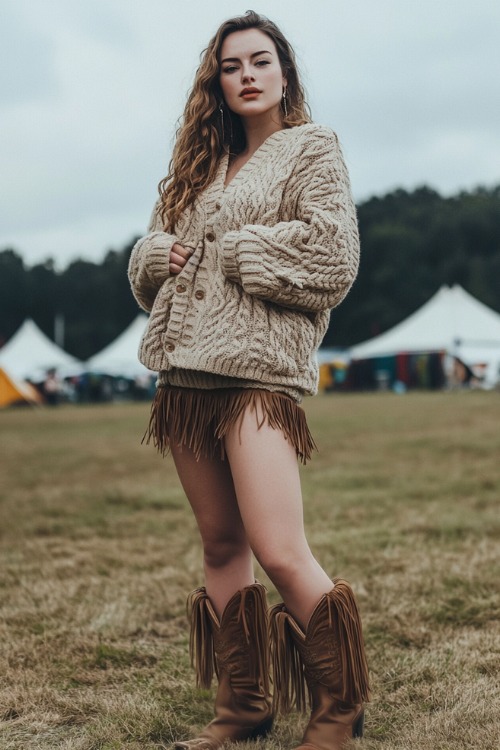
[229, 69]
[261, 63]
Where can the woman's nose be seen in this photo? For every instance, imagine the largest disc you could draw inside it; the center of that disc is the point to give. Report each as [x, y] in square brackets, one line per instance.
[246, 76]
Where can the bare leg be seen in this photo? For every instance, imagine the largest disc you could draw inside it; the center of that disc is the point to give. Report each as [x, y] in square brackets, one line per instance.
[227, 555]
[266, 478]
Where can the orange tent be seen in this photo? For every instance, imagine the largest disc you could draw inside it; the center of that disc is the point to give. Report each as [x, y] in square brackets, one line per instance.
[17, 392]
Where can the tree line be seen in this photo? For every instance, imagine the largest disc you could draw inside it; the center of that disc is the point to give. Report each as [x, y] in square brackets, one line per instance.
[411, 244]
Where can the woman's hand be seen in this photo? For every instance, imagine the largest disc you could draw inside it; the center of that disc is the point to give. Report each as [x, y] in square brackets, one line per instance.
[179, 256]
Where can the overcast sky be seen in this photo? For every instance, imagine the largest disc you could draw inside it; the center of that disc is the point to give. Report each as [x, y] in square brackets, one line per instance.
[90, 92]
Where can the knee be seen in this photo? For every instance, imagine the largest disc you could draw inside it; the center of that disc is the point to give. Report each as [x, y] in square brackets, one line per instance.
[284, 564]
[221, 552]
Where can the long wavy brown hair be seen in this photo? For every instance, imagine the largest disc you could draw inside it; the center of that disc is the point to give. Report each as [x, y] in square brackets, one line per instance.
[203, 136]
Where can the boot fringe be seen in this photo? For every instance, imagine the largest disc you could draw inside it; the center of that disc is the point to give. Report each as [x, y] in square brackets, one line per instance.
[343, 614]
[201, 419]
[201, 642]
[290, 686]
[257, 629]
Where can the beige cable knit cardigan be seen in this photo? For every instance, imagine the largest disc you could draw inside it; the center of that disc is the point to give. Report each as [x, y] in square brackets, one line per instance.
[275, 250]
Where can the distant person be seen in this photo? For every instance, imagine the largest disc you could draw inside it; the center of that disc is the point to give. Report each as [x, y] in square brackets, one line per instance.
[252, 242]
[52, 387]
[462, 373]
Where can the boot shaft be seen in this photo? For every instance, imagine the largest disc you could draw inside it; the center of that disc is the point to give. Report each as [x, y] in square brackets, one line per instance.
[236, 649]
[329, 655]
[238, 644]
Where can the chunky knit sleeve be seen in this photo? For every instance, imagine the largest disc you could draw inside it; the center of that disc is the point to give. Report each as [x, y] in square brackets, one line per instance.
[149, 260]
[310, 262]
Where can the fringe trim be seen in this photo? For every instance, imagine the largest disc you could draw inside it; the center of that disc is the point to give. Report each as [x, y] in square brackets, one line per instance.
[343, 610]
[201, 419]
[290, 686]
[201, 642]
[256, 631]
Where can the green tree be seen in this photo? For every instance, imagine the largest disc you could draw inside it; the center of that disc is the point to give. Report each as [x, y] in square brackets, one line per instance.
[413, 243]
[13, 293]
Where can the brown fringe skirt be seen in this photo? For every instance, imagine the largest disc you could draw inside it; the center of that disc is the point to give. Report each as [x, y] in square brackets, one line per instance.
[200, 419]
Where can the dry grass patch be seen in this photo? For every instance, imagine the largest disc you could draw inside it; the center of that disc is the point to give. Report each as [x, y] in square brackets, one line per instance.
[99, 550]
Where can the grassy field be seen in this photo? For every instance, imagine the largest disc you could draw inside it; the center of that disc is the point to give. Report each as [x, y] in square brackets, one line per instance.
[99, 549]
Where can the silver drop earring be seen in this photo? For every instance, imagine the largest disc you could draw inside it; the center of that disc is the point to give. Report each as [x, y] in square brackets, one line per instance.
[221, 110]
[284, 102]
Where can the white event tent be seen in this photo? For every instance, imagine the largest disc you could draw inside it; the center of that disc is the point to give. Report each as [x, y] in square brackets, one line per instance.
[30, 353]
[120, 357]
[452, 321]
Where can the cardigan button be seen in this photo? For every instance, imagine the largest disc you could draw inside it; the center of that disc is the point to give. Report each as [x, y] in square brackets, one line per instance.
[210, 236]
[170, 347]
[217, 206]
[180, 288]
[199, 294]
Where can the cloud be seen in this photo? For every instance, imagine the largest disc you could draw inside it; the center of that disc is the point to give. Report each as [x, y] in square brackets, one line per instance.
[28, 71]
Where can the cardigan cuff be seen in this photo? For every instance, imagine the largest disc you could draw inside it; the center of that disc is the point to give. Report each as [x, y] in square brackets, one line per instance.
[156, 251]
[230, 265]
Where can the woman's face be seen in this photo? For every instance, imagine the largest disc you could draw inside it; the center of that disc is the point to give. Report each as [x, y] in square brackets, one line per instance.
[251, 78]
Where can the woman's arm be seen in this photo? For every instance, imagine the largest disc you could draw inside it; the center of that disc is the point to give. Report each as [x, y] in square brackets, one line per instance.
[149, 261]
[309, 263]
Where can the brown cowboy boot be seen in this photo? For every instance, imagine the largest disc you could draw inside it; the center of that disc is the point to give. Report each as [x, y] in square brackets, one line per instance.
[237, 649]
[330, 660]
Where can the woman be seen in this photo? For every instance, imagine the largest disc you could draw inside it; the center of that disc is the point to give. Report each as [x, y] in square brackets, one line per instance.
[252, 242]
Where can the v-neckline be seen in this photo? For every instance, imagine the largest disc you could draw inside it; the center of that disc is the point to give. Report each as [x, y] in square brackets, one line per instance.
[255, 157]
